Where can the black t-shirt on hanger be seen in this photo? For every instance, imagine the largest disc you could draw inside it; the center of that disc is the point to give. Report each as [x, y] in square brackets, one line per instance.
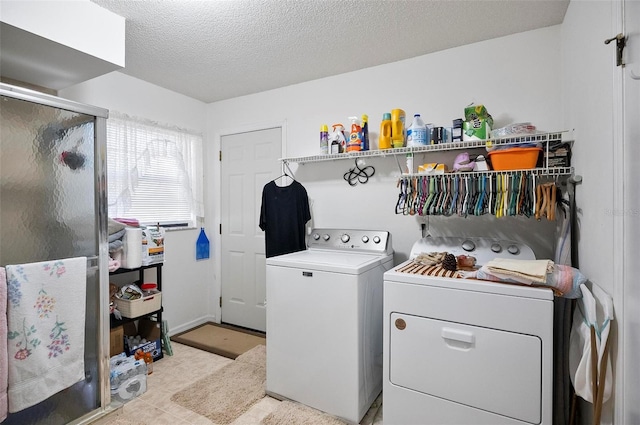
[283, 216]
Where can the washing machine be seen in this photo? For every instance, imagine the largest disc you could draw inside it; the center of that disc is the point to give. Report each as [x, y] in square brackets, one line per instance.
[324, 321]
[466, 351]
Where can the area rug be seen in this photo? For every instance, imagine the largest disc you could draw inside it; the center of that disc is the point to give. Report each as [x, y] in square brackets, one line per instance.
[223, 340]
[230, 391]
[288, 413]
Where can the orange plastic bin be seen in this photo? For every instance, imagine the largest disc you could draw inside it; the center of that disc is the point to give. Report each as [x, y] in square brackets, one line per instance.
[514, 158]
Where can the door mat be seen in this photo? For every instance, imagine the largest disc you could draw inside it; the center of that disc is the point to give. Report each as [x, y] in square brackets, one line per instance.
[227, 393]
[224, 340]
[289, 412]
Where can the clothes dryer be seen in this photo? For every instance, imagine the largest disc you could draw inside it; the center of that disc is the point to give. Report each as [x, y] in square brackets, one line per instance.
[464, 351]
[324, 321]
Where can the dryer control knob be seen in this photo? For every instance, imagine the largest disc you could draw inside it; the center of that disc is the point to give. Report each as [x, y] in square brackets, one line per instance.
[365, 239]
[468, 245]
[316, 236]
[376, 239]
[345, 238]
[513, 249]
[326, 237]
[496, 247]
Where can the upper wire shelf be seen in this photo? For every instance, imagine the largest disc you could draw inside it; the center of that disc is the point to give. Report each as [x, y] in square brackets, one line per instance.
[448, 146]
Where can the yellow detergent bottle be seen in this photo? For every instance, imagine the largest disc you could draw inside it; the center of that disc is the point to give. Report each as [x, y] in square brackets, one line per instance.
[384, 141]
[397, 128]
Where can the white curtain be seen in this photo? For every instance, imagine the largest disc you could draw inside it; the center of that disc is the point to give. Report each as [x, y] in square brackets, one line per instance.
[154, 171]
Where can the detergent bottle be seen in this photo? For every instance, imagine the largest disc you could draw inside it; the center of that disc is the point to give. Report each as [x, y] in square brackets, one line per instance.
[365, 132]
[397, 128]
[355, 142]
[384, 141]
[417, 133]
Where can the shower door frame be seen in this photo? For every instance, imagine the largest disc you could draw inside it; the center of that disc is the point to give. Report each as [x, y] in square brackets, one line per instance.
[101, 208]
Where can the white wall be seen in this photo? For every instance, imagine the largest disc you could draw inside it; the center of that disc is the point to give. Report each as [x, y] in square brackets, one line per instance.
[589, 93]
[187, 286]
[516, 77]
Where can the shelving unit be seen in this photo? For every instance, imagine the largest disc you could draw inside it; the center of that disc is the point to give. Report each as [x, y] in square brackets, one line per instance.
[114, 323]
[543, 138]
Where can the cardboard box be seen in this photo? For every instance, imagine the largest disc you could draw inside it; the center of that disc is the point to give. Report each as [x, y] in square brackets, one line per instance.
[149, 330]
[477, 123]
[116, 343]
[127, 378]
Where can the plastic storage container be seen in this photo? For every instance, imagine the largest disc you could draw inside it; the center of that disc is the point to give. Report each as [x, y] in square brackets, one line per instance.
[514, 158]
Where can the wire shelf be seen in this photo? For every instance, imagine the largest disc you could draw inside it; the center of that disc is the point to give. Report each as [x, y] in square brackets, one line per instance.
[449, 146]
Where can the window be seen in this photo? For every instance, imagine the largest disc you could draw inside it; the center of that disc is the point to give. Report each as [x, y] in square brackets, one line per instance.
[154, 172]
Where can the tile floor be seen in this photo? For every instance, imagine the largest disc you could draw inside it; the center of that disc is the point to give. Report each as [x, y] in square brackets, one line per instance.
[173, 373]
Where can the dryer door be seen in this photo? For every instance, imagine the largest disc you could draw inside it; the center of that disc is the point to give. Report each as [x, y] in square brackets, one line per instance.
[488, 369]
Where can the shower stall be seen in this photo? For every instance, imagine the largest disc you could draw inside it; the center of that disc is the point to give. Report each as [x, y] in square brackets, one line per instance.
[53, 206]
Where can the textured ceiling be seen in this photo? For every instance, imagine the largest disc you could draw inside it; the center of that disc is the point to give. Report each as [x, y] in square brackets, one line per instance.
[214, 50]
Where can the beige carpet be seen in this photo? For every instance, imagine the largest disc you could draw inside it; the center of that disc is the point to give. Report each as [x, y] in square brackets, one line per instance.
[223, 340]
[288, 413]
[229, 392]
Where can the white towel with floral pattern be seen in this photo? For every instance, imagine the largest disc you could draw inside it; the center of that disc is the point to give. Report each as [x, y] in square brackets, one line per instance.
[4, 371]
[46, 321]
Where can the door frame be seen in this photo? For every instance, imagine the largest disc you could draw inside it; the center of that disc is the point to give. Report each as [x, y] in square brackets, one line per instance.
[217, 210]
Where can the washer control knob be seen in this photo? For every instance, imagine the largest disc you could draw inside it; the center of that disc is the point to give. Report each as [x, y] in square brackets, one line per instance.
[326, 237]
[316, 236]
[468, 245]
[365, 239]
[495, 247]
[513, 249]
[376, 239]
[345, 238]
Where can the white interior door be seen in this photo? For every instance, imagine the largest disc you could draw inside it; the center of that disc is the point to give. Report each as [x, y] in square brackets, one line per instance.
[249, 160]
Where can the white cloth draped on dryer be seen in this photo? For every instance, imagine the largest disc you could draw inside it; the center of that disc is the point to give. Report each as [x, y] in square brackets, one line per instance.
[589, 361]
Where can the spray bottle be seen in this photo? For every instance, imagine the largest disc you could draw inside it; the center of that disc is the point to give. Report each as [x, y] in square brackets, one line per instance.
[324, 139]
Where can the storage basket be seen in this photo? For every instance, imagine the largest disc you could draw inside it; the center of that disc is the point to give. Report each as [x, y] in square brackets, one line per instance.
[141, 306]
[514, 158]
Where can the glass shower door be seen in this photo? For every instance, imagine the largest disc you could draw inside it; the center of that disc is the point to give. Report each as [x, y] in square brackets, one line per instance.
[52, 206]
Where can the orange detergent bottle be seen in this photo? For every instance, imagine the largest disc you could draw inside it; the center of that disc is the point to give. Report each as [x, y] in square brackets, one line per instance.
[355, 142]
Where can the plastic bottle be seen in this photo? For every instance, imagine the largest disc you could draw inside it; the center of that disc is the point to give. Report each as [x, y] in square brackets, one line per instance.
[410, 163]
[384, 142]
[324, 139]
[417, 133]
[338, 133]
[365, 132]
[397, 128]
[355, 142]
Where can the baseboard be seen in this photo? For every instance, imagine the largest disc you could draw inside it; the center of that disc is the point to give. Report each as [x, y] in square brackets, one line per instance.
[190, 325]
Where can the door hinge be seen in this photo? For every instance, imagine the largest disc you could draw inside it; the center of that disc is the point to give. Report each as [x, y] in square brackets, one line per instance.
[621, 41]
[220, 155]
[220, 302]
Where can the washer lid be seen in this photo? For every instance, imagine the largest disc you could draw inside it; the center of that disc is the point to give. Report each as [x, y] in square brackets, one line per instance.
[329, 260]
